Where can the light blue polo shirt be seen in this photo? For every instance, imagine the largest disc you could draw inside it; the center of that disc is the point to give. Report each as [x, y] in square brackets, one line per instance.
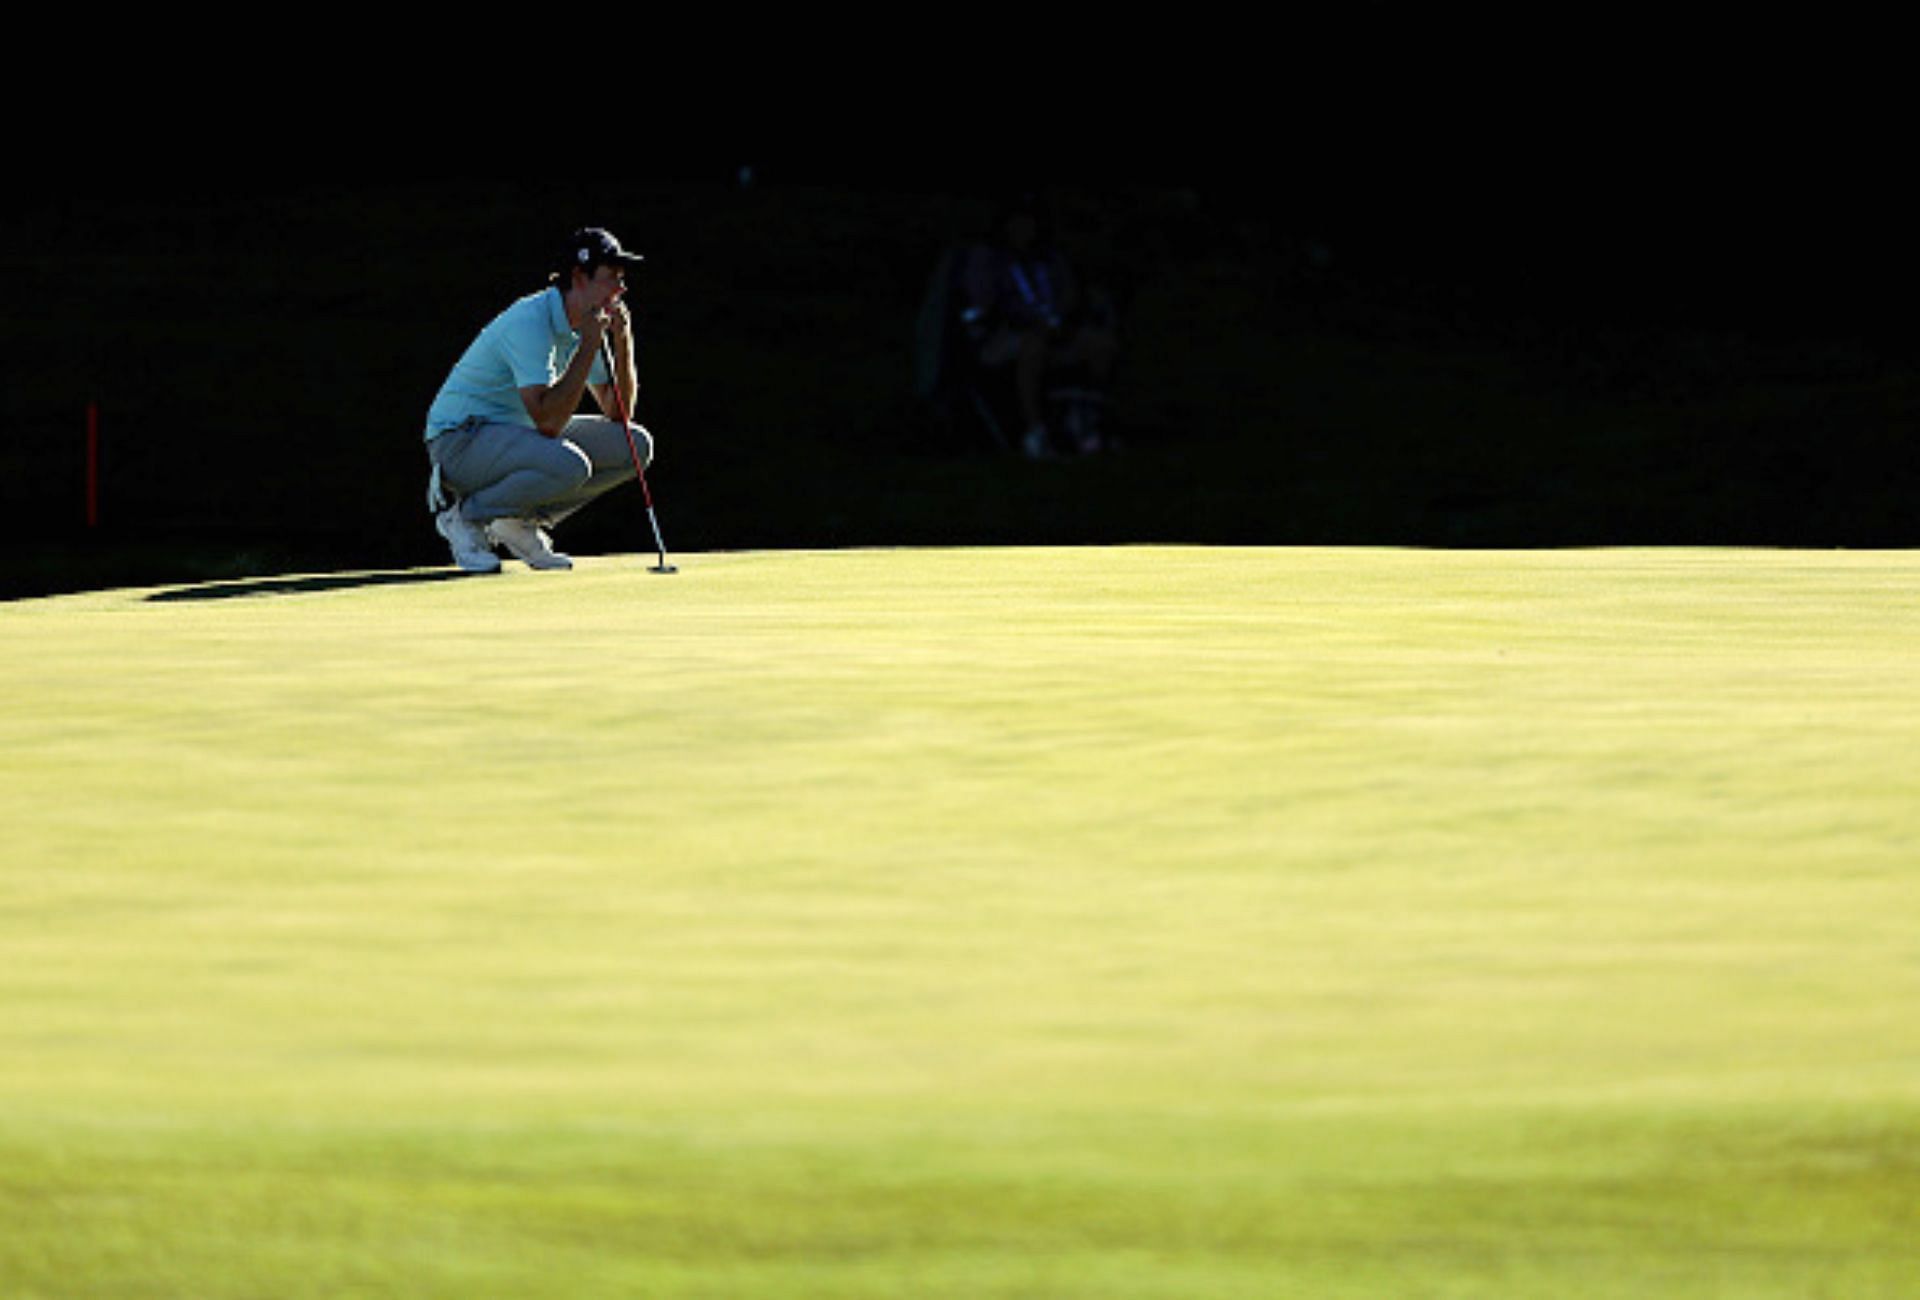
[529, 343]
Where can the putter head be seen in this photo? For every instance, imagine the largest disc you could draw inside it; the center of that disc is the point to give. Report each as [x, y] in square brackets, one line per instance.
[663, 568]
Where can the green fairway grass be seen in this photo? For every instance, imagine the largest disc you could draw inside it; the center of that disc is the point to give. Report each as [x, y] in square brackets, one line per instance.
[1117, 922]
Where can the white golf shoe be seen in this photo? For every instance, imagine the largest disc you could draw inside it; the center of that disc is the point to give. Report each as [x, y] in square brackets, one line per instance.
[471, 550]
[529, 543]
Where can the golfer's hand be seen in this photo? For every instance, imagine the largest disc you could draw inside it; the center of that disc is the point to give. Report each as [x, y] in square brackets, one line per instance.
[619, 322]
[592, 328]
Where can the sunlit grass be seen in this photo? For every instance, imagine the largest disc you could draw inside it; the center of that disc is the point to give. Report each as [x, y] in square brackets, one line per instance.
[1118, 922]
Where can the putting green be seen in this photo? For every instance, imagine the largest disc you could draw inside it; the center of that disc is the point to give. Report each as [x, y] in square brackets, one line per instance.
[1134, 922]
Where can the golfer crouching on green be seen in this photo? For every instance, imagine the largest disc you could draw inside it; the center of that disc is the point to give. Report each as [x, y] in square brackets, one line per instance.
[509, 457]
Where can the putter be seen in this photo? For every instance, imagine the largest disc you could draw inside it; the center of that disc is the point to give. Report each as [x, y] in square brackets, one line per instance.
[633, 449]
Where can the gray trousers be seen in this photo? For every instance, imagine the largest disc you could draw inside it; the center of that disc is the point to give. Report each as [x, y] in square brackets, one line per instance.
[512, 471]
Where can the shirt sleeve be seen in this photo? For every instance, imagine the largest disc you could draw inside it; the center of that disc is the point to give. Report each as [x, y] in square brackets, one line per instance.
[529, 353]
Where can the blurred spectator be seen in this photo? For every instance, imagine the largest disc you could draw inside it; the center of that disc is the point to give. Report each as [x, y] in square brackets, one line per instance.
[1024, 308]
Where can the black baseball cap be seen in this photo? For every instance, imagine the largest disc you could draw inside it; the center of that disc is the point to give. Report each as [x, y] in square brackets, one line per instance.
[592, 247]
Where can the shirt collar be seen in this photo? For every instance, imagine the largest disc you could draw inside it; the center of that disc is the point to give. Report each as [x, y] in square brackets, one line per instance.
[557, 313]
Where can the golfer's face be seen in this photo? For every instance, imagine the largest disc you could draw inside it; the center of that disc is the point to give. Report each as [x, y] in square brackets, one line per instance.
[609, 285]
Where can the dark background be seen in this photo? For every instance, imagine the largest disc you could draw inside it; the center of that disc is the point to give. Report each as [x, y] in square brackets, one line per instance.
[1344, 322]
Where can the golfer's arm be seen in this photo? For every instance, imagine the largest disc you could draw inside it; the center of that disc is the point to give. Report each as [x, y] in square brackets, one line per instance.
[552, 405]
[623, 375]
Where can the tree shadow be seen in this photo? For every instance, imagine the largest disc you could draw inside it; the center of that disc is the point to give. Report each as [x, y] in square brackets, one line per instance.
[307, 585]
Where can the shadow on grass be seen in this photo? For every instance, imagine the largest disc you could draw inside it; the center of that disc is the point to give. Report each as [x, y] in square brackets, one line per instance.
[306, 585]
